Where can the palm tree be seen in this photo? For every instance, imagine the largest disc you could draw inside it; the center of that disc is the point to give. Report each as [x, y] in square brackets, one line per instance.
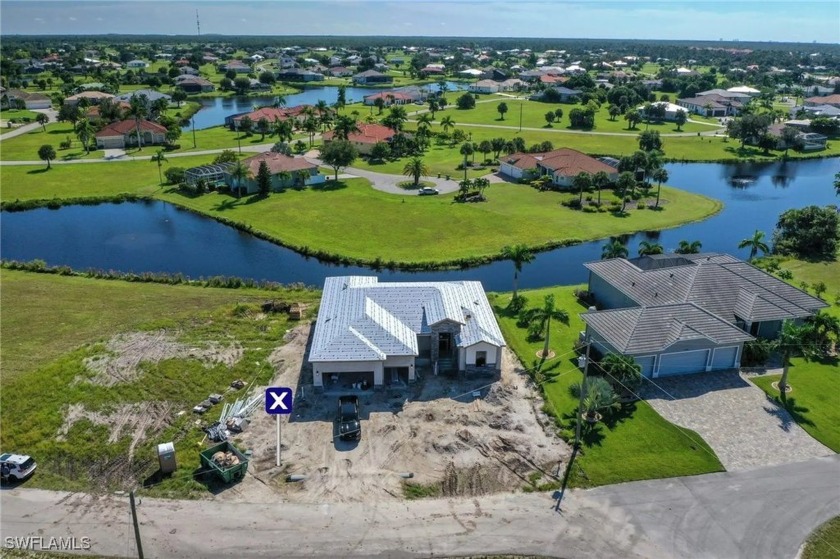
[424, 121]
[46, 153]
[660, 175]
[539, 321]
[322, 107]
[433, 107]
[614, 249]
[344, 126]
[42, 119]
[283, 129]
[138, 110]
[792, 340]
[646, 248]
[626, 181]
[310, 126]
[599, 181]
[159, 157]
[446, 123]
[85, 131]
[755, 243]
[466, 151]
[597, 394]
[279, 101]
[519, 254]
[692, 247]
[239, 173]
[263, 127]
[415, 168]
[582, 181]
[825, 331]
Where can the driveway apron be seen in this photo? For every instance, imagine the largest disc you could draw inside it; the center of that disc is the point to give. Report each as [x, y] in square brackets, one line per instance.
[741, 424]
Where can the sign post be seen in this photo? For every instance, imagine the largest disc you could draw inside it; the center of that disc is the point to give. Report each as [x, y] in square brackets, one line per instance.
[278, 401]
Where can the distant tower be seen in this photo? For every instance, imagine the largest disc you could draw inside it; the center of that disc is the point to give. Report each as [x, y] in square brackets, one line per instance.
[197, 23]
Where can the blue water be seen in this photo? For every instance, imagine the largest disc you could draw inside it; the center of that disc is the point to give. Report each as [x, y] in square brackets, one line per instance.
[213, 111]
[158, 237]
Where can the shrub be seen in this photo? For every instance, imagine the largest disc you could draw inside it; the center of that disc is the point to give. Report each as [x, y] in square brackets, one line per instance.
[175, 175]
[756, 352]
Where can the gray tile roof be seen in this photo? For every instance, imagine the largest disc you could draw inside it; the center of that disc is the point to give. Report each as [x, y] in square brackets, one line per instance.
[361, 319]
[641, 330]
[719, 283]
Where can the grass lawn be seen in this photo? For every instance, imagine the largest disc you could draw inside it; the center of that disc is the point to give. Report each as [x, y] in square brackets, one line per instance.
[533, 116]
[636, 442]
[433, 228]
[25, 147]
[52, 323]
[824, 542]
[88, 179]
[814, 403]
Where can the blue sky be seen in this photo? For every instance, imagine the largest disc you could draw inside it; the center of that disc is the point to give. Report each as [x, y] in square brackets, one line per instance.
[746, 20]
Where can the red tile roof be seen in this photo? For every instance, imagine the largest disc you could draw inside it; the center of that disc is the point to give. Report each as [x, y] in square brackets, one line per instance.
[277, 163]
[564, 161]
[825, 100]
[386, 95]
[273, 113]
[124, 127]
[369, 134]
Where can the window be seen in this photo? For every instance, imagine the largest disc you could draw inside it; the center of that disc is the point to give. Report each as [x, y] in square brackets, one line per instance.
[480, 358]
[754, 328]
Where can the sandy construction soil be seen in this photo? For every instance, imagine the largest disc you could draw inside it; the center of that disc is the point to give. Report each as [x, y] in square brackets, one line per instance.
[437, 430]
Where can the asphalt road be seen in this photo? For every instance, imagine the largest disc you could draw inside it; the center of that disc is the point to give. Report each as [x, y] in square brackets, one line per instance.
[763, 513]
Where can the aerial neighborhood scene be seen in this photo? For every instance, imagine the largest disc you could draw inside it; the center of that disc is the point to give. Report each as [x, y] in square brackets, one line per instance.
[448, 279]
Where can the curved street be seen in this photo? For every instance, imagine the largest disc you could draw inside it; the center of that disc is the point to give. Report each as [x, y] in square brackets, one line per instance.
[761, 513]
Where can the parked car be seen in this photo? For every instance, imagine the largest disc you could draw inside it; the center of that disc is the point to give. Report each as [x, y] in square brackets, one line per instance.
[16, 466]
[427, 191]
[349, 426]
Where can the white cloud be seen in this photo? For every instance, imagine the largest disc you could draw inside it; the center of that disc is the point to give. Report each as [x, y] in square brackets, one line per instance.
[71, 18]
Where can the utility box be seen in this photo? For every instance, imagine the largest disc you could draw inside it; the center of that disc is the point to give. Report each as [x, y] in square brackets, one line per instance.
[581, 362]
[166, 458]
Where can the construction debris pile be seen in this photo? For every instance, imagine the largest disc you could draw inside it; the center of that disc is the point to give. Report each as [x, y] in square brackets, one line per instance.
[226, 460]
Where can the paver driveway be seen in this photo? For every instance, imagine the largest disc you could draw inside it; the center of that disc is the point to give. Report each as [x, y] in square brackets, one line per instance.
[735, 417]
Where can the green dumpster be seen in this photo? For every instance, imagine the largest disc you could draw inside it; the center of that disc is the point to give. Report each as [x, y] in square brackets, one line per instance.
[225, 461]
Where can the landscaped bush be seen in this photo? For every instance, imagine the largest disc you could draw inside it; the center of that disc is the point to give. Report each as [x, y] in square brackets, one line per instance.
[175, 175]
[756, 352]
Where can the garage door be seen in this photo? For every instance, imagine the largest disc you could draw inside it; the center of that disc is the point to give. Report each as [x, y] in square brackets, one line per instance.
[347, 380]
[646, 363]
[724, 358]
[683, 363]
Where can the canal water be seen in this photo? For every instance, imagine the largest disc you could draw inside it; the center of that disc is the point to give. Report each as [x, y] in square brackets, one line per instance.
[213, 111]
[158, 237]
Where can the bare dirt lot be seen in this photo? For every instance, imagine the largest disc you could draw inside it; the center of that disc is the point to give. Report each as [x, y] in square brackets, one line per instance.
[462, 437]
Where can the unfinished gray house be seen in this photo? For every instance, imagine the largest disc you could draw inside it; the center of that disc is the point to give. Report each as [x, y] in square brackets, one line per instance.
[377, 334]
[687, 313]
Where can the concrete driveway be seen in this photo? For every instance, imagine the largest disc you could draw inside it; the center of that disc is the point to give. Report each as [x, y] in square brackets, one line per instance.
[744, 427]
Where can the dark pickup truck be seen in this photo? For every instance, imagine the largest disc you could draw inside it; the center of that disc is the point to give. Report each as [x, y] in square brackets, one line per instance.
[349, 426]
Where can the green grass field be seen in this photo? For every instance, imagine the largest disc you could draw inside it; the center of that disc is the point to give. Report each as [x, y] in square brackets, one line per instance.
[27, 182]
[636, 442]
[353, 219]
[814, 403]
[51, 324]
[533, 116]
[824, 542]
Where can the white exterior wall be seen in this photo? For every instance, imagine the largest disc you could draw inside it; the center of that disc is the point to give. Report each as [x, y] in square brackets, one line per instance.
[511, 170]
[481, 346]
[402, 361]
[319, 369]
